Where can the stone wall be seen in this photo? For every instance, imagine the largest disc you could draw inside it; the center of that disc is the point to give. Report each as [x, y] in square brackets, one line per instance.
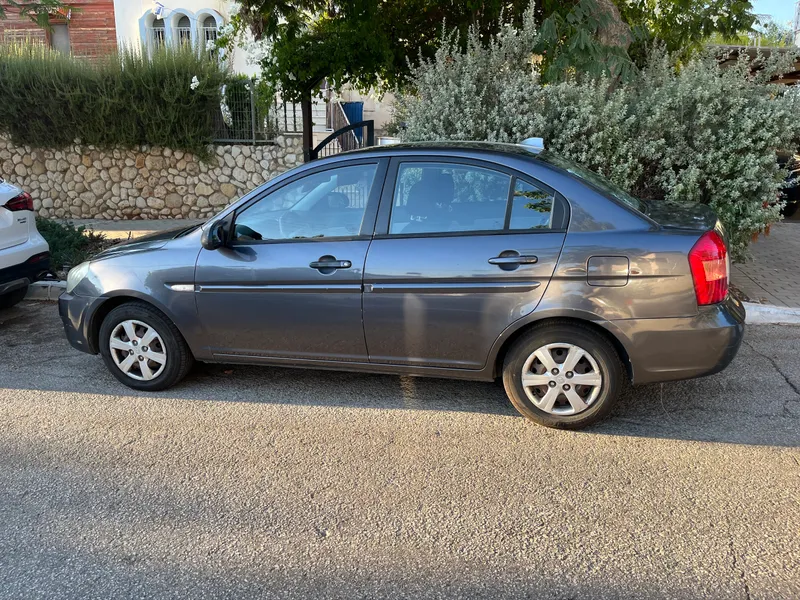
[82, 182]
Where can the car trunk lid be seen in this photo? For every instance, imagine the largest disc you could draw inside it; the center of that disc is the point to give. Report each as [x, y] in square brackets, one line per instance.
[675, 215]
[14, 225]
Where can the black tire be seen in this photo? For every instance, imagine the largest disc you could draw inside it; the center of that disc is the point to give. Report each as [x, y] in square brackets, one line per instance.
[179, 358]
[605, 355]
[790, 209]
[13, 298]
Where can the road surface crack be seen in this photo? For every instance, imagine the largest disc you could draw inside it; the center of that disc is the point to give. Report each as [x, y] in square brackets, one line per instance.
[774, 363]
[739, 570]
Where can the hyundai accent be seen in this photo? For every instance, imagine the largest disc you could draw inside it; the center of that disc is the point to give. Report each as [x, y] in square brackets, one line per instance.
[461, 259]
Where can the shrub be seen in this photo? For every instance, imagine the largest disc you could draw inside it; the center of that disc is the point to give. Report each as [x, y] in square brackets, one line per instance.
[69, 245]
[126, 100]
[697, 133]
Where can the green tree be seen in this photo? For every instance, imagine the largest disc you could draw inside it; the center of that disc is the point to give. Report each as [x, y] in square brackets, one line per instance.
[39, 12]
[370, 43]
[612, 37]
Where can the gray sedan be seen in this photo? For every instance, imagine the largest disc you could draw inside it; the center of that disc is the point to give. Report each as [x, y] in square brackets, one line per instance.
[467, 260]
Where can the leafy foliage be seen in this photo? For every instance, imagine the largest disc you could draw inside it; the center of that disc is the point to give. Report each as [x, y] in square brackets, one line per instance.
[694, 134]
[367, 43]
[363, 43]
[766, 33]
[38, 11]
[69, 245]
[127, 100]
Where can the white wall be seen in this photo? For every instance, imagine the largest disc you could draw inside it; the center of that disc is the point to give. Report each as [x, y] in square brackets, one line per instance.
[128, 15]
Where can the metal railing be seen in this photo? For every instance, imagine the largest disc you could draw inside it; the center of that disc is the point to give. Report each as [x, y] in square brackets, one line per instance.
[288, 117]
[346, 136]
[344, 139]
[209, 35]
[156, 37]
[183, 35]
[246, 118]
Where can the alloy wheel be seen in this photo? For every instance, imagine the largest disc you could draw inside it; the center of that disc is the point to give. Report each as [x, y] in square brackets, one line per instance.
[138, 350]
[561, 379]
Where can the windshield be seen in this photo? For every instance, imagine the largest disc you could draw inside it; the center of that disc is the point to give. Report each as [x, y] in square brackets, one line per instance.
[594, 179]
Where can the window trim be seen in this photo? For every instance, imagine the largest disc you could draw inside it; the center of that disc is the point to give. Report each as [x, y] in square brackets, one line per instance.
[560, 203]
[370, 211]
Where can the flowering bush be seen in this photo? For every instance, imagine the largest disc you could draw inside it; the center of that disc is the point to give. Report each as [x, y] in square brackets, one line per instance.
[694, 134]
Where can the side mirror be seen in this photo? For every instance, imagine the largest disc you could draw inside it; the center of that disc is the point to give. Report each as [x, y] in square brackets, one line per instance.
[215, 235]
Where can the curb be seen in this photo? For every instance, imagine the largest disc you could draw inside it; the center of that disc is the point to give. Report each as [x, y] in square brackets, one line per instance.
[764, 314]
[45, 290]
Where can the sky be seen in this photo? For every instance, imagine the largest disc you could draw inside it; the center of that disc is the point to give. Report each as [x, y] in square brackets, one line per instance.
[780, 10]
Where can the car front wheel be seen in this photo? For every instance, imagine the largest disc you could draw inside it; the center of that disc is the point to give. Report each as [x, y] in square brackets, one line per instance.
[565, 376]
[143, 348]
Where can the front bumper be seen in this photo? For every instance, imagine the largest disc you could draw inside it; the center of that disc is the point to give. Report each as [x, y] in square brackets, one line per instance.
[18, 276]
[685, 347]
[76, 315]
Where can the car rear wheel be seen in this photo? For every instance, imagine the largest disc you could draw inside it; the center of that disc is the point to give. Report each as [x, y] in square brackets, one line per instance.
[143, 348]
[563, 375]
[13, 298]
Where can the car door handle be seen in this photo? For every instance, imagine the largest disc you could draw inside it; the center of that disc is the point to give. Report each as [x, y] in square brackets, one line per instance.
[519, 259]
[330, 264]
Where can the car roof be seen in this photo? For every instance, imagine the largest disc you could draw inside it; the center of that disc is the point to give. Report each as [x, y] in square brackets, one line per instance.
[459, 146]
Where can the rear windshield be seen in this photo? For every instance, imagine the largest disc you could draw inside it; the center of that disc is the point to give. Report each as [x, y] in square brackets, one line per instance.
[595, 180]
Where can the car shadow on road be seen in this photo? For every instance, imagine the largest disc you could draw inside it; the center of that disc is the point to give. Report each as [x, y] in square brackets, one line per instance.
[755, 401]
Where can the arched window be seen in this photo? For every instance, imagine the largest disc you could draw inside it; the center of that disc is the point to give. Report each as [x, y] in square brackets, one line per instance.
[183, 31]
[156, 35]
[209, 32]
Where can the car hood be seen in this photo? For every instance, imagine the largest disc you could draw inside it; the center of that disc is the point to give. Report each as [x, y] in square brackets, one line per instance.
[151, 241]
[675, 215]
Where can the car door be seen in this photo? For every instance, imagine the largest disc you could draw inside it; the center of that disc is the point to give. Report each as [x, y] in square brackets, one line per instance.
[462, 250]
[288, 284]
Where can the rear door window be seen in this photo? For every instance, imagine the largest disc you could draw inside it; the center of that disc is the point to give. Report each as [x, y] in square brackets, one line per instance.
[442, 198]
[446, 197]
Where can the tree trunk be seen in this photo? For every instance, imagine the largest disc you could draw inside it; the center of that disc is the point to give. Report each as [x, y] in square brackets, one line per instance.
[613, 31]
[308, 125]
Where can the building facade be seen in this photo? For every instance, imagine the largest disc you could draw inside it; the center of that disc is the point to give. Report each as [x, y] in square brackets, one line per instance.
[87, 31]
[150, 25]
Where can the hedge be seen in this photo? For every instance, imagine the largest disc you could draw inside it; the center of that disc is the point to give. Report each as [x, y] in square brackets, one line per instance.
[122, 101]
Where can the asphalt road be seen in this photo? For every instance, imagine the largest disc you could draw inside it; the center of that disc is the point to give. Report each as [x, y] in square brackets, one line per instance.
[270, 483]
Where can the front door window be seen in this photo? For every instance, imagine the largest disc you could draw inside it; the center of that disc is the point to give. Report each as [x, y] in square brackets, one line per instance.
[328, 204]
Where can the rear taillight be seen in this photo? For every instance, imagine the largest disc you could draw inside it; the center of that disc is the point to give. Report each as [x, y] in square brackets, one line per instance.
[708, 260]
[21, 202]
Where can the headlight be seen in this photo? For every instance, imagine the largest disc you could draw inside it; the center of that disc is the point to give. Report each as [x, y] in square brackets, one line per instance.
[76, 275]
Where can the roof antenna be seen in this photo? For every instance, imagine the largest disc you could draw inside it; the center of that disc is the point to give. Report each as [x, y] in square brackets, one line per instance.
[536, 143]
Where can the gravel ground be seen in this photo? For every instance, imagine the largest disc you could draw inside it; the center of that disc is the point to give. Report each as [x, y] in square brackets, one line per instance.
[270, 483]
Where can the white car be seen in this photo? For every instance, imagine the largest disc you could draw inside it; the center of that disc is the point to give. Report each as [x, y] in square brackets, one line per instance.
[24, 253]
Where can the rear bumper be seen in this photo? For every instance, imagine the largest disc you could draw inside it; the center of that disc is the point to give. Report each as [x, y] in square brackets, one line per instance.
[686, 347]
[76, 315]
[18, 276]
